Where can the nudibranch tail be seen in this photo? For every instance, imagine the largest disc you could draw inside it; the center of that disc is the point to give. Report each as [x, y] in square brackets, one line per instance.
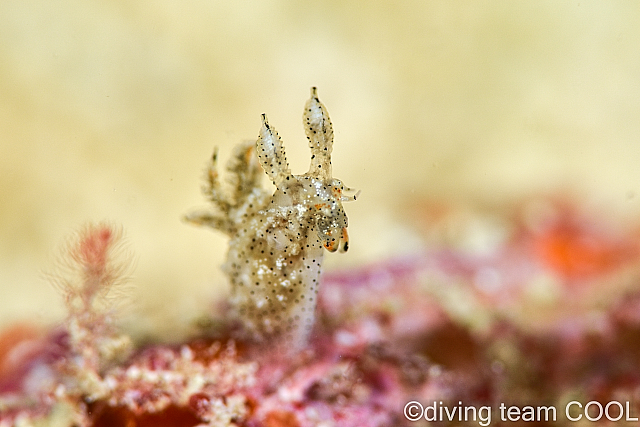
[212, 182]
[244, 173]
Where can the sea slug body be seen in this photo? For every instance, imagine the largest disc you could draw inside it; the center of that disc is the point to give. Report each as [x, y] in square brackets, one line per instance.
[277, 241]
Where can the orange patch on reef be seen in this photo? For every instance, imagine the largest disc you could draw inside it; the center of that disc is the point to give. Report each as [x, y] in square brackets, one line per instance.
[17, 344]
[208, 350]
[281, 419]
[103, 415]
[575, 252]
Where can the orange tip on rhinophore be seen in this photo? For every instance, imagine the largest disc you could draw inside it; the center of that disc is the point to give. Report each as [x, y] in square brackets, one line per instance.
[345, 240]
[331, 246]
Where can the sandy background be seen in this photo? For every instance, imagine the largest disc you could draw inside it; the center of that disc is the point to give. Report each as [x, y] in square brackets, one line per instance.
[110, 110]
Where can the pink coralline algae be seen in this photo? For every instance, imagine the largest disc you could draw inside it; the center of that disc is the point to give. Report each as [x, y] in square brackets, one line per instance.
[535, 306]
[447, 326]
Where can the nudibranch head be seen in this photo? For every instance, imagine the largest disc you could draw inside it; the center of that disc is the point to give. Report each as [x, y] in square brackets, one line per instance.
[325, 200]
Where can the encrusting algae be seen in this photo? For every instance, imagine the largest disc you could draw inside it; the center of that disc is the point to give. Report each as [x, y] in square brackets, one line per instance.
[445, 335]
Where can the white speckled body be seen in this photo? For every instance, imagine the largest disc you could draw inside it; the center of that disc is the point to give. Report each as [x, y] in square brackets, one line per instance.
[277, 242]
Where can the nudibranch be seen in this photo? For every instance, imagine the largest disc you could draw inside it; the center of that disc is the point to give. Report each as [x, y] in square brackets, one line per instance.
[277, 241]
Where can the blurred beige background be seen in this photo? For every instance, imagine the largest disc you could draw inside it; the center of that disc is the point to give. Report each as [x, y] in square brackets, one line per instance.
[110, 110]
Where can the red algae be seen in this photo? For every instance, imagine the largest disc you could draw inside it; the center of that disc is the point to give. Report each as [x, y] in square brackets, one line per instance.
[444, 326]
[109, 416]
[534, 307]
